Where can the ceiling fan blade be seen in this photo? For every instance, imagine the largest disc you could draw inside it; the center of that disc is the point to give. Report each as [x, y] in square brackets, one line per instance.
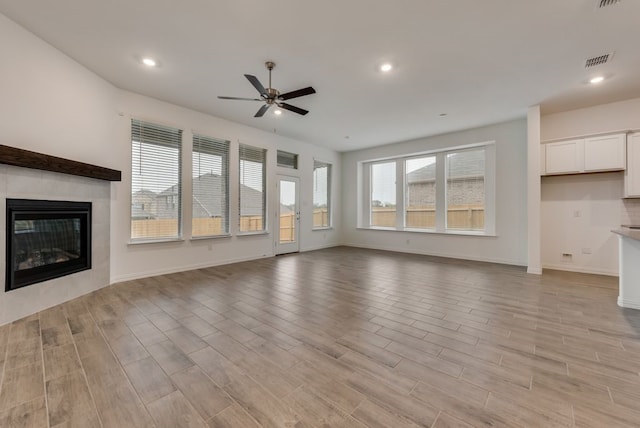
[262, 110]
[293, 108]
[295, 94]
[256, 84]
[241, 99]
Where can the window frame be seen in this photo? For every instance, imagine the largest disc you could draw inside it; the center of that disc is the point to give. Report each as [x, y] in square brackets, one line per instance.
[179, 144]
[365, 187]
[225, 154]
[329, 166]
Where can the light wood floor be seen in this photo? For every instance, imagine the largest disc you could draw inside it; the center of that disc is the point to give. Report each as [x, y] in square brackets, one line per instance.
[340, 337]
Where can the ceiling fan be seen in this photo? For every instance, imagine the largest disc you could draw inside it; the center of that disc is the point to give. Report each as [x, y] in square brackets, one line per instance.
[271, 96]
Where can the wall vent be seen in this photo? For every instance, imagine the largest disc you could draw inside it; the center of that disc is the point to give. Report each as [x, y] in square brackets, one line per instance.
[605, 3]
[598, 60]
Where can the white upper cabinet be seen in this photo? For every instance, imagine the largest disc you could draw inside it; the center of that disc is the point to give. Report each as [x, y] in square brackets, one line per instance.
[632, 174]
[592, 154]
[606, 153]
[564, 157]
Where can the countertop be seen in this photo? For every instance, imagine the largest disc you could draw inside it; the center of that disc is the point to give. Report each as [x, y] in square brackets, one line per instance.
[628, 233]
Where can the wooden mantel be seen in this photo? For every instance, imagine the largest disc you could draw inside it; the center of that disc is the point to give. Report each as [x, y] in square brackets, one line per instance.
[27, 159]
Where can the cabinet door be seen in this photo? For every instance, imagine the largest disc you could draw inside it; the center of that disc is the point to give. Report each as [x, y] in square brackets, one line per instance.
[564, 157]
[632, 174]
[605, 153]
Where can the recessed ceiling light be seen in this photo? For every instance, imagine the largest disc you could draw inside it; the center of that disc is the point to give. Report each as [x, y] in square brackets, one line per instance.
[277, 112]
[596, 79]
[386, 67]
[443, 114]
[149, 62]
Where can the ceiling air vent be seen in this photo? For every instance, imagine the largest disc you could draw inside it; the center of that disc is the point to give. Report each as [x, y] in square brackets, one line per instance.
[605, 3]
[598, 60]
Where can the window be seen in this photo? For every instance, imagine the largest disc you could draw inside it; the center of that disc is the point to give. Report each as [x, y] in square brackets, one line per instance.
[420, 192]
[252, 189]
[383, 194]
[156, 187]
[287, 160]
[321, 195]
[210, 213]
[465, 189]
[446, 191]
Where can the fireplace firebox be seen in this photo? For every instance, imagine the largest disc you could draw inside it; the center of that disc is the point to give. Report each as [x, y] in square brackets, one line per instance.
[46, 240]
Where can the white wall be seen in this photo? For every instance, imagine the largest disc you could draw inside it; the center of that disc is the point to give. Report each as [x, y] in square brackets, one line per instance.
[604, 118]
[596, 196]
[578, 214]
[510, 244]
[51, 104]
[138, 260]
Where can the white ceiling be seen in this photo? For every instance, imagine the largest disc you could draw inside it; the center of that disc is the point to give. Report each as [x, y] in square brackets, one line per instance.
[479, 61]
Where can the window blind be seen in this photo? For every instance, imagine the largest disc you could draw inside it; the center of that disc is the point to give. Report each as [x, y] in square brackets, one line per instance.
[287, 160]
[321, 194]
[156, 188]
[252, 188]
[210, 213]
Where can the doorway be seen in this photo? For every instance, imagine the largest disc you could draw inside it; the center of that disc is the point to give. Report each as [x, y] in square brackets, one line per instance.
[287, 236]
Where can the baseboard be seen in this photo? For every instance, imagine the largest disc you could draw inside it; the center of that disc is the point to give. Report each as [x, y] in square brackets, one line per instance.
[147, 274]
[320, 247]
[581, 269]
[534, 271]
[438, 254]
[626, 303]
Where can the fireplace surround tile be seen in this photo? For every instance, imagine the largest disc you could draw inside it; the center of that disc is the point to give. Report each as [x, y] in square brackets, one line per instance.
[23, 183]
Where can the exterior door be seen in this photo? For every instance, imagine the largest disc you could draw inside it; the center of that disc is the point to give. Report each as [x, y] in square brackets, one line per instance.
[287, 215]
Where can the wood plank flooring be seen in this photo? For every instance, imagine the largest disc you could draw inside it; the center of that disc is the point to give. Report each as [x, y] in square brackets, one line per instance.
[340, 337]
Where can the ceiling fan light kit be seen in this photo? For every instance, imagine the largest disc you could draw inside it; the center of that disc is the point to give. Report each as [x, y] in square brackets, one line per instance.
[271, 96]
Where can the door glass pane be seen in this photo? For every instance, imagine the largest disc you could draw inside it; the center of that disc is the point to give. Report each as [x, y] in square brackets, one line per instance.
[287, 211]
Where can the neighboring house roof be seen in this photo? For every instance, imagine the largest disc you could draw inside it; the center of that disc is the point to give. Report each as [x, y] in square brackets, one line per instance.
[467, 166]
[202, 205]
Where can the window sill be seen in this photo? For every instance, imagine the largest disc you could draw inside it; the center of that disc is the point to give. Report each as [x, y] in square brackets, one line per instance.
[322, 228]
[154, 241]
[253, 233]
[203, 238]
[432, 231]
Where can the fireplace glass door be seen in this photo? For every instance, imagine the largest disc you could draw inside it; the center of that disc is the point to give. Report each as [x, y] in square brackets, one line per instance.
[46, 240]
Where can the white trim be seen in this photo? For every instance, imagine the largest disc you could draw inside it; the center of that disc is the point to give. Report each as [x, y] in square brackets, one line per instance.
[432, 231]
[320, 247]
[445, 255]
[534, 271]
[166, 271]
[580, 269]
[597, 134]
[154, 241]
[258, 233]
[204, 237]
[626, 303]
